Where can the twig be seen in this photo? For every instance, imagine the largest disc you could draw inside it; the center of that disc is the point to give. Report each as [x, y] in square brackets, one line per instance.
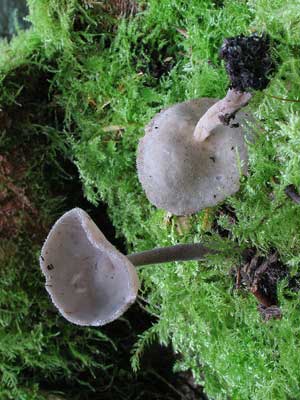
[238, 278]
[283, 99]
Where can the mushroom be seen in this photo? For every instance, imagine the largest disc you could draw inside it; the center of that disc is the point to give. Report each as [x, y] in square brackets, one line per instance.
[191, 156]
[88, 279]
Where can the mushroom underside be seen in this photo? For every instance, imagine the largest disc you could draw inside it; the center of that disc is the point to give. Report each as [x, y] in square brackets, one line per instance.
[182, 175]
[89, 281]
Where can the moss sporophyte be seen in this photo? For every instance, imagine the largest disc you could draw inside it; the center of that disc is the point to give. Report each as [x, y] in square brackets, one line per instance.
[192, 156]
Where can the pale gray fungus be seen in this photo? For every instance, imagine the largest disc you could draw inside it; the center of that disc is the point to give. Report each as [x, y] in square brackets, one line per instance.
[183, 174]
[88, 279]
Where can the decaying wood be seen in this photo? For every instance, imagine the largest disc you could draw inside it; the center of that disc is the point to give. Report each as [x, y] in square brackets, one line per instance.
[260, 278]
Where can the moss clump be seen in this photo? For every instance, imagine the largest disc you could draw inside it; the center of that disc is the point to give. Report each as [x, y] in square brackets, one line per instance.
[39, 352]
[107, 80]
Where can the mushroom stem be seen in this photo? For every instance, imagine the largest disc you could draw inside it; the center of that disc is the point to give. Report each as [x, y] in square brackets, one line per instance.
[221, 113]
[179, 252]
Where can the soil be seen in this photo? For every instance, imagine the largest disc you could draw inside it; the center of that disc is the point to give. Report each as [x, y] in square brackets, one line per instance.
[156, 379]
[248, 61]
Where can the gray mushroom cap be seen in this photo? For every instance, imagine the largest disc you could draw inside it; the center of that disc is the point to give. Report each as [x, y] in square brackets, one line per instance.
[179, 173]
[88, 279]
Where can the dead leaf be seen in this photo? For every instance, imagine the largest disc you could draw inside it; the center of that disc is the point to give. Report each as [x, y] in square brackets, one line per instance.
[183, 32]
[183, 224]
[113, 128]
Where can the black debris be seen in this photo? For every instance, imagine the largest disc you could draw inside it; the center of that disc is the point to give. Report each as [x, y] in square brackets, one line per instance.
[248, 61]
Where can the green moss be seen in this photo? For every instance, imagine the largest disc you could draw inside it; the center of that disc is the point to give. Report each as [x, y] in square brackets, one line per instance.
[34, 342]
[110, 79]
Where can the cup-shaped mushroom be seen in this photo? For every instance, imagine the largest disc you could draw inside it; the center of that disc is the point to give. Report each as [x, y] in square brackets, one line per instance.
[182, 174]
[88, 279]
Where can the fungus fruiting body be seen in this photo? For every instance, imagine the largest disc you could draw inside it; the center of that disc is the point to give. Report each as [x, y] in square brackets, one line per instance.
[192, 155]
[88, 279]
[183, 174]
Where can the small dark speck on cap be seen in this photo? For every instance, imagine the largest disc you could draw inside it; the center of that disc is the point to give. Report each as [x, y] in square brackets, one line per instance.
[50, 267]
[212, 159]
[232, 148]
[215, 196]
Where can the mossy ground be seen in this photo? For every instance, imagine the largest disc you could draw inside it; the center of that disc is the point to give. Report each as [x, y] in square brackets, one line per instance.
[110, 76]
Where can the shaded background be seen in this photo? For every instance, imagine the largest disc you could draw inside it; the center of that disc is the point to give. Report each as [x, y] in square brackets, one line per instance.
[12, 13]
[156, 379]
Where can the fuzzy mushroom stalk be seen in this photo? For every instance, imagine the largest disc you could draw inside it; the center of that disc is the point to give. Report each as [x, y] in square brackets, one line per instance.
[221, 113]
[89, 281]
[179, 252]
[248, 64]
